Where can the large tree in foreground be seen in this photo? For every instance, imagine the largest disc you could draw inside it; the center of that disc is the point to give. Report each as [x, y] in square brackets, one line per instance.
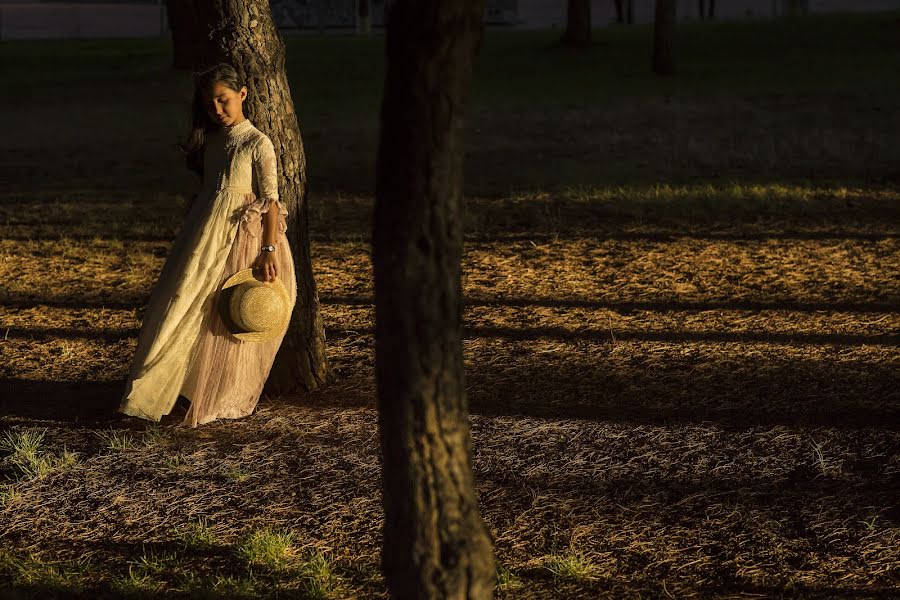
[435, 542]
[243, 34]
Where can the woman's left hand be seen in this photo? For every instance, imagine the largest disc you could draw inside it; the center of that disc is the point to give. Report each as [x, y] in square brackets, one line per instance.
[265, 267]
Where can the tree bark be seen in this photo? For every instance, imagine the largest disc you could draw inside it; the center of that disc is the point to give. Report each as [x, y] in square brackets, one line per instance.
[798, 7]
[578, 24]
[629, 11]
[701, 9]
[188, 45]
[243, 34]
[620, 11]
[364, 20]
[436, 545]
[664, 37]
[711, 14]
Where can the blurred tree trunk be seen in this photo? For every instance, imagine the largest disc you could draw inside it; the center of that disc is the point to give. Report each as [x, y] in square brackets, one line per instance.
[243, 34]
[664, 37]
[578, 24]
[436, 545]
[188, 41]
[701, 9]
[364, 20]
[797, 7]
[711, 14]
[620, 11]
[629, 11]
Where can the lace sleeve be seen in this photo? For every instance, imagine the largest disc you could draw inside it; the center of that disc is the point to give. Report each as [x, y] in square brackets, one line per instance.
[265, 166]
[266, 174]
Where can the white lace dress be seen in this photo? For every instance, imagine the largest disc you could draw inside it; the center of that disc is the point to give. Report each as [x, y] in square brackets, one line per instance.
[183, 347]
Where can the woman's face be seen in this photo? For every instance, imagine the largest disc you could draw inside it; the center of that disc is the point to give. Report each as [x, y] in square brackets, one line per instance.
[224, 105]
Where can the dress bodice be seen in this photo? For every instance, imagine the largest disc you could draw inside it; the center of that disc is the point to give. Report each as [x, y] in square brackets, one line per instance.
[240, 157]
[240, 175]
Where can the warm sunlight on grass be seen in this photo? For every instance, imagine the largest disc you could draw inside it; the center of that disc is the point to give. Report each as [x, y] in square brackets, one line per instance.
[680, 324]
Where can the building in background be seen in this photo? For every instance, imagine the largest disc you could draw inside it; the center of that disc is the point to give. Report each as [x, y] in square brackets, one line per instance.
[35, 19]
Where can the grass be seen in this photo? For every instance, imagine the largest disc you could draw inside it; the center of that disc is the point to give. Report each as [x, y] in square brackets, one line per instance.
[267, 547]
[147, 576]
[319, 579]
[137, 583]
[197, 535]
[680, 324]
[793, 101]
[507, 580]
[117, 440]
[175, 462]
[573, 564]
[47, 579]
[155, 437]
[238, 475]
[28, 456]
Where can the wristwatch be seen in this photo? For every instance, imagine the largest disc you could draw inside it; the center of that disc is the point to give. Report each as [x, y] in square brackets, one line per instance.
[269, 248]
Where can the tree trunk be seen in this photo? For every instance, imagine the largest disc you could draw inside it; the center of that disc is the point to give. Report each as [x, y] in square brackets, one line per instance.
[364, 20]
[436, 545]
[712, 10]
[701, 9]
[578, 24]
[188, 47]
[243, 34]
[620, 11]
[798, 7]
[629, 11]
[664, 37]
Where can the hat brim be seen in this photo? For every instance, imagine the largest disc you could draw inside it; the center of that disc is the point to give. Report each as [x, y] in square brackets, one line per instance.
[254, 336]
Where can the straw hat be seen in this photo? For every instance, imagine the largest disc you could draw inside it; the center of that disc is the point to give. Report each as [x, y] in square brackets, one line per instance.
[253, 310]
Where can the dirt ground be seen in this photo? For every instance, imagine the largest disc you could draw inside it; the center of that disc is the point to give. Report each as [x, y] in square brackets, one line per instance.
[689, 398]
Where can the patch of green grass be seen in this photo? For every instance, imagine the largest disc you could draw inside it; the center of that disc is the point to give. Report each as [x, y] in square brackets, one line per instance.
[175, 461]
[229, 585]
[29, 457]
[117, 440]
[197, 535]
[146, 576]
[267, 547]
[45, 578]
[572, 564]
[155, 436]
[137, 583]
[156, 563]
[506, 579]
[9, 494]
[219, 586]
[238, 475]
[319, 579]
[870, 524]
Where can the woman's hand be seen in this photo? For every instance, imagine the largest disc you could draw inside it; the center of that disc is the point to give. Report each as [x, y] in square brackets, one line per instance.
[265, 267]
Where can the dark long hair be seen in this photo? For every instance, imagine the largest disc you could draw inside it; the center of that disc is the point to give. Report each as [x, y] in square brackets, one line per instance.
[200, 122]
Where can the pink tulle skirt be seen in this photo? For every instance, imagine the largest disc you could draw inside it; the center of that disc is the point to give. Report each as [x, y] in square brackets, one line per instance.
[226, 376]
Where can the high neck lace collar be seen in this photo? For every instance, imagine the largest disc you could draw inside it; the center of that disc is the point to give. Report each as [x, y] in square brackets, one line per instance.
[231, 131]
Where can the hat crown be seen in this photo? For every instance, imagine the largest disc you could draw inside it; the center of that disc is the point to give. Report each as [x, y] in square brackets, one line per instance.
[258, 307]
[255, 310]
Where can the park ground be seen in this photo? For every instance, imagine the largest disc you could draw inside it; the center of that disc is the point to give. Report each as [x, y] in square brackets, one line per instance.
[682, 324]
